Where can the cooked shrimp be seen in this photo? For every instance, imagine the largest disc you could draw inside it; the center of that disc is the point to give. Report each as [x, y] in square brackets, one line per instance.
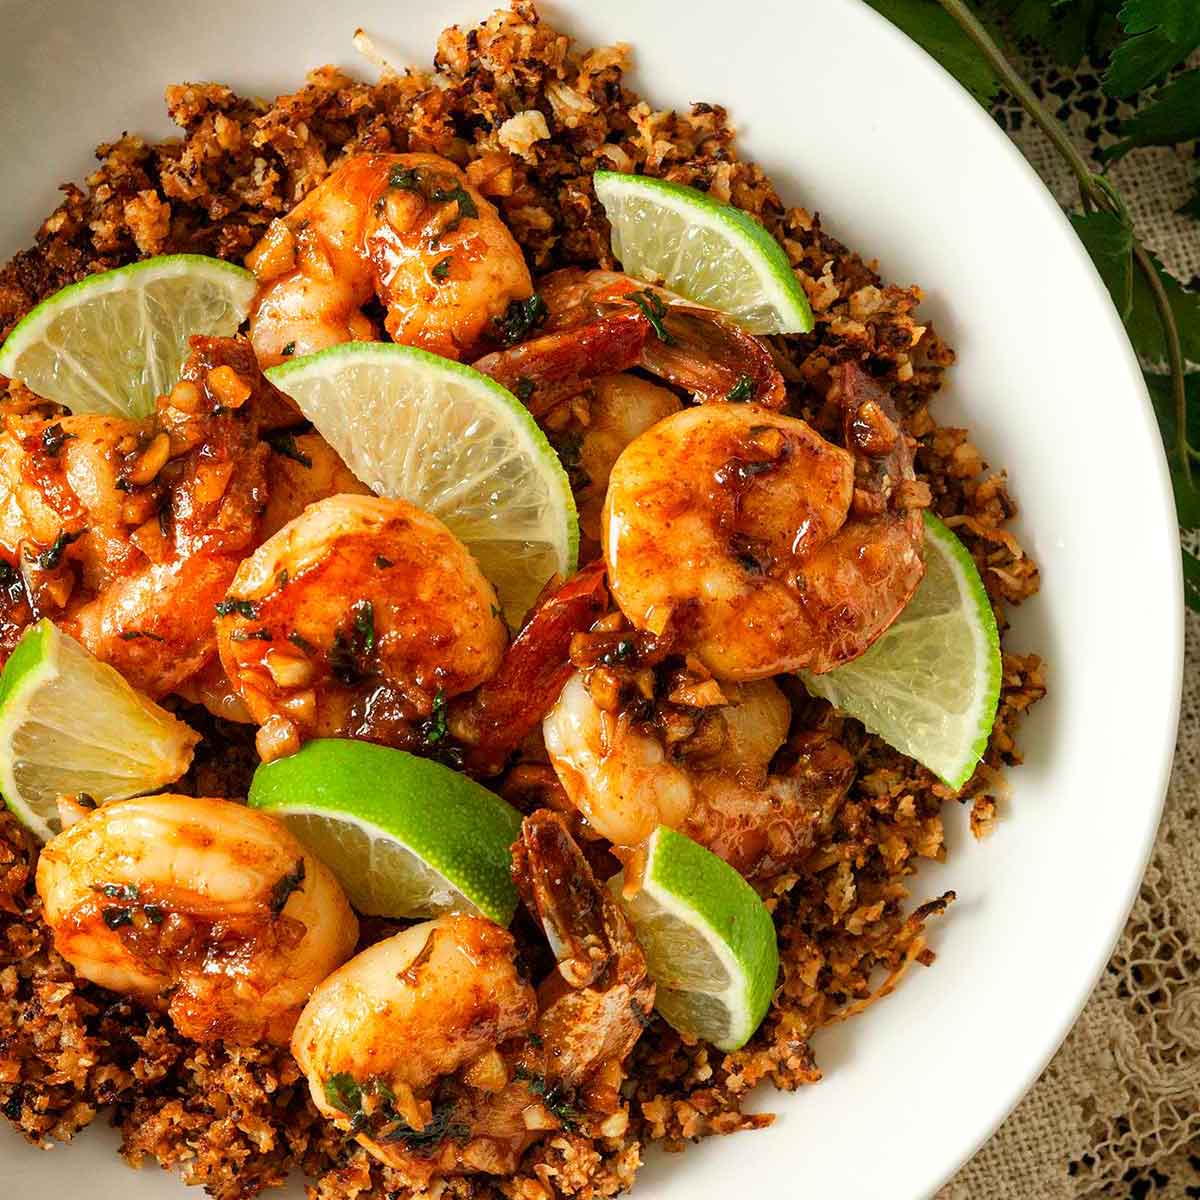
[765, 547]
[202, 908]
[620, 777]
[434, 1050]
[356, 618]
[600, 322]
[620, 407]
[127, 533]
[303, 468]
[405, 229]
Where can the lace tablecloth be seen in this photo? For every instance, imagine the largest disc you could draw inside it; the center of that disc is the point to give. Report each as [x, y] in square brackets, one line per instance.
[1116, 1115]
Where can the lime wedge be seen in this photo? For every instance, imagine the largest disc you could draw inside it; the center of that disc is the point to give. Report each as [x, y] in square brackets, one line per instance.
[930, 685]
[709, 940]
[113, 343]
[711, 253]
[406, 837]
[416, 427]
[70, 723]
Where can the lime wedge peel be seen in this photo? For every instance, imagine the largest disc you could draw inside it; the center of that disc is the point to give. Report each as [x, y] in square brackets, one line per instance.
[405, 836]
[710, 253]
[70, 723]
[709, 941]
[114, 342]
[416, 427]
[930, 685]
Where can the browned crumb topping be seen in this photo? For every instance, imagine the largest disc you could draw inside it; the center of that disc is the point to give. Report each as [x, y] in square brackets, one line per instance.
[236, 1120]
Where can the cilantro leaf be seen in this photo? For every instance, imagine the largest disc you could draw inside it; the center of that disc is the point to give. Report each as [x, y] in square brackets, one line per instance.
[1187, 492]
[1191, 579]
[1160, 34]
[1145, 329]
[1172, 116]
[939, 35]
[1065, 29]
[1110, 243]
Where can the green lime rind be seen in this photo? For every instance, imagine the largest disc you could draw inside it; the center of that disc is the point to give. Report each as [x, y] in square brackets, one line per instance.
[70, 723]
[115, 341]
[709, 940]
[931, 684]
[448, 823]
[711, 253]
[417, 427]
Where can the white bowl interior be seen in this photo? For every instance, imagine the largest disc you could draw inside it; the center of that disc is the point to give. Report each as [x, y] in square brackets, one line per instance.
[852, 120]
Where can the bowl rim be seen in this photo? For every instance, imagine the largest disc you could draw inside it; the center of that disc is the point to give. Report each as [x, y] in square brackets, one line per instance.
[1069, 1002]
[1164, 764]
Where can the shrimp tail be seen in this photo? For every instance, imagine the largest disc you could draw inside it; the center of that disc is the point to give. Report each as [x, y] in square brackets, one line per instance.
[500, 714]
[558, 365]
[595, 1006]
[708, 355]
[602, 322]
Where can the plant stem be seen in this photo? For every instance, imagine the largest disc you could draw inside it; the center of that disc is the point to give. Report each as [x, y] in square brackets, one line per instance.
[1162, 302]
[1095, 192]
[974, 28]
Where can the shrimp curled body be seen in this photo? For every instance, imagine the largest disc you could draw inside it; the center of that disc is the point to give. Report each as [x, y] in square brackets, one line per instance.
[352, 618]
[406, 229]
[767, 548]
[759, 819]
[202, 907]
[443, 1060]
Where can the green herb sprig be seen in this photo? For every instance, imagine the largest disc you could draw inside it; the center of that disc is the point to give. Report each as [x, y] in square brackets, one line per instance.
[1141, 42]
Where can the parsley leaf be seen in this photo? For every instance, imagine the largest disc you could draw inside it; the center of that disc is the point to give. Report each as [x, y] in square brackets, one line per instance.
[1110, 243]
[937, 33]
[1145, 328]
[1187, 492]
[1191, 579]
[1160, 34]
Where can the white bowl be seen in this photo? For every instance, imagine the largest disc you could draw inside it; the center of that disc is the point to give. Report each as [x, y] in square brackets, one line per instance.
[853, 120]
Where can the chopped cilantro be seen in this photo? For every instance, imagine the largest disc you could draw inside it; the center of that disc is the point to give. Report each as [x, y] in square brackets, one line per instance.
[118, 891]
[653, 309]
[434, 729]
[466, 206]
[301, 643]
[442, 269]
[288, 350]
[364, 625]
[519, 318]
[383, 563]
[115, 917]
[407, 179]
[285, 886]
[549, 1096]
[742, 390]
[283, 441]
[523, 389]
[49, 559]
[128, 635]
[53, 437]
[243, 608]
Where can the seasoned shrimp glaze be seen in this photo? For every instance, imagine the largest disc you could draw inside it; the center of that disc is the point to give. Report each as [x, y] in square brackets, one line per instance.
[405, 229]
[765, 547]
[353, 619]
[201, 907]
